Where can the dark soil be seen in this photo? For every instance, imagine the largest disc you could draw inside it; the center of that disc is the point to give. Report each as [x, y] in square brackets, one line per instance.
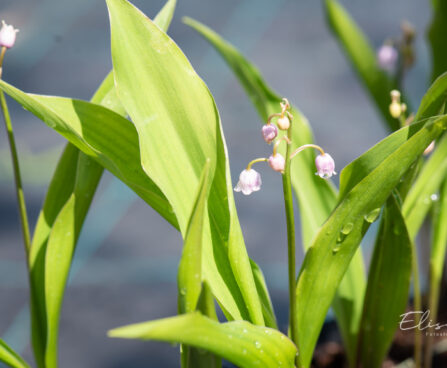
[330, 352]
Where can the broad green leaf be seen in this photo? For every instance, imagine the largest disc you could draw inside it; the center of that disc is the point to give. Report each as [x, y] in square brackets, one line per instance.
[241, 342]
[362, 57]
[178, 128]
[436, 32]
[336, 243]
[189, 279]
[59, 192]
[200, 358]
[60, 249]
[10, 357]
[91, 128]
[420, 197]
[316, 197]
[387, 289]
[267, 306]
[437, 261]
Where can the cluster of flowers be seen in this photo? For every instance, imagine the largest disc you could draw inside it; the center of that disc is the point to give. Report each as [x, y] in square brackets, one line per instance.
[250, 180]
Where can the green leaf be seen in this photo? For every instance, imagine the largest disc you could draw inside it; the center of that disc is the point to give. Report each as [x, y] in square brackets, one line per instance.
[199, 358]
[434, 99]
[419, 198]
[189, 279]
[316, 197]
[388, 286]
[335, 244]
[437, 262]
[242, 343]
[436, 32]
[362, 57]
[60, 191]
[91, 128]
[60, 249]
[179, 127]
[10, 357]
[430, 106]
[267, 306]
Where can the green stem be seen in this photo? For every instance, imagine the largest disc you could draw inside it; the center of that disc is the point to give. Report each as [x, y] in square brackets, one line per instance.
[288, 201]
[417, 307]
[17, 176]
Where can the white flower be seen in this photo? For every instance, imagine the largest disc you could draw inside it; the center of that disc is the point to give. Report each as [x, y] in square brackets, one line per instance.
[249, 182]
[325, 166]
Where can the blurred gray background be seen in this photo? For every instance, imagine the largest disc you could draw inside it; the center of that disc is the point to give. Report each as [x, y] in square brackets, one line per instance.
[126, 261]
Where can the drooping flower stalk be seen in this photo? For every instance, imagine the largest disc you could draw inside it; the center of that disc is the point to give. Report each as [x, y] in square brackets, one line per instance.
[291, 251]
[250, 181]
[7, 40]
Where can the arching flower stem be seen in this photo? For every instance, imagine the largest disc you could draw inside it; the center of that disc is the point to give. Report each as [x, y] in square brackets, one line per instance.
[302, 148]
[251, 163]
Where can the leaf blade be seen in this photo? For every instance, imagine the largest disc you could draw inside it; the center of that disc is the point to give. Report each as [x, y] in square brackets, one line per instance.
[327, 260]
[240, 342]
[316, 197]
[388, 287]
[178, 129]
[10, 357]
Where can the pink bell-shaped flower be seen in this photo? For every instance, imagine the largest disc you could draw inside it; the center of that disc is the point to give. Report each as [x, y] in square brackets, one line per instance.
[249, 182]
[269, 132]
[277, 162]
[7, 35]
[387, 57]
[325, 166]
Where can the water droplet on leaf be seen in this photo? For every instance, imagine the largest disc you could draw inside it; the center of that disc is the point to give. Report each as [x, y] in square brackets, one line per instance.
[372, 216]
[347, 228]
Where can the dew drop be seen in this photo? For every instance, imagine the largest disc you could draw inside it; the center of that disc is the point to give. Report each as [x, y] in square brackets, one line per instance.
[335, 250]
[347, 228]
[396, 230]
[434, 197]
[183, 291]
[257, 344]
[372, 216]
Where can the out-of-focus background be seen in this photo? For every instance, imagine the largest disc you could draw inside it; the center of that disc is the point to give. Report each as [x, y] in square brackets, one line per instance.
[126, 262]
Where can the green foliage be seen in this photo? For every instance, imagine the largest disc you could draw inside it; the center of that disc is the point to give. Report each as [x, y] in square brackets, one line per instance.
[178, 129]
[336, 242]
[436, 32]
[10, 357]
[388, 286]
[67, 202]
[240, 342]
[316, 197]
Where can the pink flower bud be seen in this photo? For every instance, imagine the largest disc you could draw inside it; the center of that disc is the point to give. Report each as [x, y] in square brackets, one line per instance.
[277, 162]
[249, 182]
[269, 132]
[283, 123]
[325, 166]
[387, 57]
[7, 35]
